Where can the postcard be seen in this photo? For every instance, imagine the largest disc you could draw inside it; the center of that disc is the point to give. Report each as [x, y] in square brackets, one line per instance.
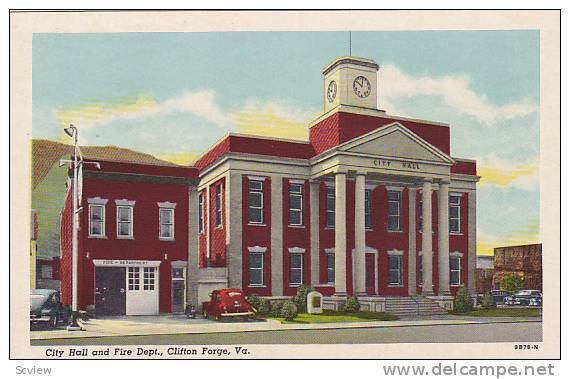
[284, 184]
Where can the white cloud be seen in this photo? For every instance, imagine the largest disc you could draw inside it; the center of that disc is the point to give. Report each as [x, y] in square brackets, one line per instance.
[507, 175]
[454, 90]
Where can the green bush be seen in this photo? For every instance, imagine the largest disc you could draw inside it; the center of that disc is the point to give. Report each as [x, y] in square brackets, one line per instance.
[351, 305]
[289, 310]
[462, 302]
[487, 301]
[300, 298]
[512, 283]
[260, 304]
[276, 307]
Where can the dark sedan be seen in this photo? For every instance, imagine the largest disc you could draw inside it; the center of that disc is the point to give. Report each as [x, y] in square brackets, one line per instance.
[531, 298]
[46, 308]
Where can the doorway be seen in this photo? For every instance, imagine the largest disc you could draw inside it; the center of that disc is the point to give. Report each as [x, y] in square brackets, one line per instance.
[178, 289]
[110, 294]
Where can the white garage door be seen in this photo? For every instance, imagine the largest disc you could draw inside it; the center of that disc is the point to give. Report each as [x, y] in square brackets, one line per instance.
[142, 290]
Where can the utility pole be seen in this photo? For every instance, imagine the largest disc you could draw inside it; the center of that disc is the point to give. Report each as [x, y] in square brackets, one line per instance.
[77, 165]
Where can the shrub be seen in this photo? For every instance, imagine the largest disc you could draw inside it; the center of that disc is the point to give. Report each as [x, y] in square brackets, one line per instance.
[462, 302]
[289, 310]
[276, 307]
[260, 304]
[351, 305]
[300, 298]
[487, 301]
[512, 283]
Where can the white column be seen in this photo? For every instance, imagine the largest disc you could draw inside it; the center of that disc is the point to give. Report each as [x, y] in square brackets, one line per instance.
[340, 234]
[277, 236]
[427, 248]
[359, 271]
[193, 249]
[443, 237]
[234, 234]
[315, 245]
[471, 240]
[412, 251]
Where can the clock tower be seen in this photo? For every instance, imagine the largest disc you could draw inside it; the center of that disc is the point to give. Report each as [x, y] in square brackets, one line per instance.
[350, 81]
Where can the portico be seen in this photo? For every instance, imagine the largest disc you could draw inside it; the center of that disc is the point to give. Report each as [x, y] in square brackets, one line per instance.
[400, 164]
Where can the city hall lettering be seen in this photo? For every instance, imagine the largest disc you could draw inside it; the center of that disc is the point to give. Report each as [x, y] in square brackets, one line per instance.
[388, 164]
[266, 215]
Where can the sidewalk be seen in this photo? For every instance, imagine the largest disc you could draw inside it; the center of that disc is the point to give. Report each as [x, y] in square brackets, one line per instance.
[173, 324]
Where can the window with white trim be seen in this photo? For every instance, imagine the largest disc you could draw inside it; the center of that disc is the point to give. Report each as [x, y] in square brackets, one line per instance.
[296, 204]
[395, 270]
[394, 210]
[455, 213]
[255, 202]
[455, 270]
[201, 213]
[124, 221]
[330, 209]
[296, 269]
[256, 268]
[96, 220]
[133, 278]
[368, 209]
[330, 268]
[149, 278]
[219, 205]
[166, 216]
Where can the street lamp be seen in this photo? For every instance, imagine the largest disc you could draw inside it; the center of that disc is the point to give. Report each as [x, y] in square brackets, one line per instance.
[77, 166]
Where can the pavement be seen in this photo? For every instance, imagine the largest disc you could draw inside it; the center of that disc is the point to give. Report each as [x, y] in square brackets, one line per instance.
[179, 324]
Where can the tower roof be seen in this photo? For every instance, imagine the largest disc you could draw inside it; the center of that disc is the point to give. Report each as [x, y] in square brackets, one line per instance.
[359, 61]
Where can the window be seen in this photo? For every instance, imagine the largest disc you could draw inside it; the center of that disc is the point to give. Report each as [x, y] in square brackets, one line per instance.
[148, 278]
[455, 213]
[368, 209]
[46, 272]
[255, 269]
[394, 205]
[96, 220]
[255, 202]
[330, 207]
[133, 279]
[296, 204]
[124, 221]
[455, 271]
[296, 269]
[330, 268]
[201, 213]
[395, 270]
[166, 216]
[219, 206]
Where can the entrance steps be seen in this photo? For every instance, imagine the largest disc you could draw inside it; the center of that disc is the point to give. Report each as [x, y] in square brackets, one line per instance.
[413, 306]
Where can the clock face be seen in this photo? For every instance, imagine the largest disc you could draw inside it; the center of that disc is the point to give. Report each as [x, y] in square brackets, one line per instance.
[331, 91]
[361, 87]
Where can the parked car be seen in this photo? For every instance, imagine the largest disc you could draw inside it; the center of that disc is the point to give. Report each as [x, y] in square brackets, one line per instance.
[46, 308]
[499, 296]
[228, 302]
[525, 297]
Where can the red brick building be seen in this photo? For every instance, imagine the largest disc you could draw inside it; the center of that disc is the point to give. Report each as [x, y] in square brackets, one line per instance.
[524, 261]
[372, 205]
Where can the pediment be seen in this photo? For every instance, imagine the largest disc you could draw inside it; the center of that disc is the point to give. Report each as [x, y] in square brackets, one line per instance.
[395, 141]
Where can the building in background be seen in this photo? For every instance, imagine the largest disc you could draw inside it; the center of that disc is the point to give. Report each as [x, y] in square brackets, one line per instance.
[524, 261]
[484, 274]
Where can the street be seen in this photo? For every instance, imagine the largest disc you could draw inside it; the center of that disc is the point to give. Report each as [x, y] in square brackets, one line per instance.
[500, 332]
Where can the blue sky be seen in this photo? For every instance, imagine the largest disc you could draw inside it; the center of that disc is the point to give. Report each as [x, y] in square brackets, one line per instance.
[175, 94]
